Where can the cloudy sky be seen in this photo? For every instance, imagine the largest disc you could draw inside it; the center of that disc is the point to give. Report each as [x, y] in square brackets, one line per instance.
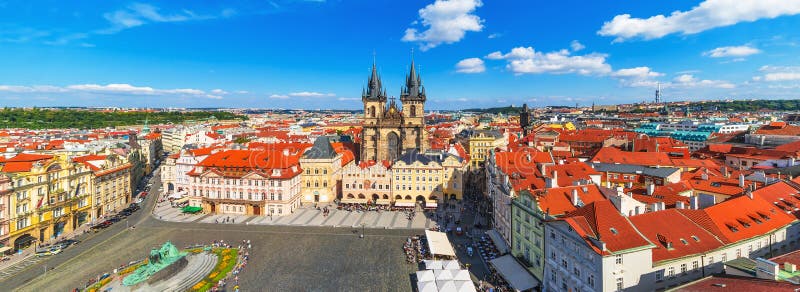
[317, 54]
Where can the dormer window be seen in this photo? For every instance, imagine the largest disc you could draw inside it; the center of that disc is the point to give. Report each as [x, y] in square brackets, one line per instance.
[614, 231]
[695, 238]
[684, 241]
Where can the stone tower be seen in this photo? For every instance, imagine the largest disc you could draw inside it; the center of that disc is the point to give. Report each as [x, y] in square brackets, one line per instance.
[388, 130]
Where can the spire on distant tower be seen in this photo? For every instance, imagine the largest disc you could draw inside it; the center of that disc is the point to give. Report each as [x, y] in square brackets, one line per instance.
[658, 93]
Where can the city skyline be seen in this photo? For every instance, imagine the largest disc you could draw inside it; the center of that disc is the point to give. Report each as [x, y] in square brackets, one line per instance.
[317, 54]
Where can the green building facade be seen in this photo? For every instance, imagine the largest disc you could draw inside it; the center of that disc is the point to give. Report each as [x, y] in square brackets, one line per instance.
[527, 235]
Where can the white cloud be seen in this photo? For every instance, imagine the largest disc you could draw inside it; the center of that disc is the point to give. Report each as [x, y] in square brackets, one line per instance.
[637, 76]
[732, 51]
[113, 88]
[494, 36]
[348, 98]
[707, 15]
[279, 96]
[310, 94]
[637, 72]
[471, 65]
[689, 81]
[138, 14]
[447, 21]
[778, 73]
[219, 91]
[526, 60]
[576, 46]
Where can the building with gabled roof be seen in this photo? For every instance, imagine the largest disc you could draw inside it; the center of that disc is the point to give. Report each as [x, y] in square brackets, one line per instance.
[595, 248]
[247, 182]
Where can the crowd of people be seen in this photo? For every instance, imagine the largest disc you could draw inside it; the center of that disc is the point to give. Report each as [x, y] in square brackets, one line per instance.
[415, 249]
[233, 278]
[353, 207]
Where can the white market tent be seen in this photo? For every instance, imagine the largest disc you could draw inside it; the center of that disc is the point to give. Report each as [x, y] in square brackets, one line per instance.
[514, 273]
[433, 265]
[451, 265]
[439, 244]
[460, 275]
[446, 286]
[465, 286]
[443, 275]
[425, 276]
[427, 286]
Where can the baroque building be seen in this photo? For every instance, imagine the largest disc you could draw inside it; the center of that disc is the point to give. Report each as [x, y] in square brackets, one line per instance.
[389, 131]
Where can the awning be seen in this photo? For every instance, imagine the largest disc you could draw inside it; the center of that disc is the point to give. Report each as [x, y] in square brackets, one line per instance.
[177, 195]
[5, 249]
[513, 272]
[498, 240]
[433, 264]
[383, 202]
[439, 244]
[191, 209]
[181, 200]
[403, 204]
[431, 204]
[354, 201]
[465, 286]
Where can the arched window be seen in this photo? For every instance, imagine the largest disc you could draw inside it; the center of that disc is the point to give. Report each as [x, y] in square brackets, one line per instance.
[372, 111]
[413, 110]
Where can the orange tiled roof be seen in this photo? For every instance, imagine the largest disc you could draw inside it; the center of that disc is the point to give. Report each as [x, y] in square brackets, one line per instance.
[674, 235]
[602, 221]
[740, 218]
[558, 201]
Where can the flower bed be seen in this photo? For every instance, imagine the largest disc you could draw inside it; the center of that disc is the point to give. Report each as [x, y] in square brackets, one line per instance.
[96, 286]
[227, 260]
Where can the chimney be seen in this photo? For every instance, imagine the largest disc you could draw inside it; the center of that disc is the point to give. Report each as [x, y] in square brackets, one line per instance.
[680, 205]
[704, 176]
[789, 267]
[694, 203]
[741, 180]
[286, 152]
[554, 180]
[750, 194]
[651, 188]
[661, 206]
[543, 169]
[575, 197]
[724, 170]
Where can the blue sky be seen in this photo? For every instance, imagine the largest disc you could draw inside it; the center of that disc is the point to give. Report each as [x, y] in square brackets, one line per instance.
[471, 53]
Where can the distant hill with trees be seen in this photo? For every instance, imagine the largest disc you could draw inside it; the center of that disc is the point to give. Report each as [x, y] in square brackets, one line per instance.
[91, 119]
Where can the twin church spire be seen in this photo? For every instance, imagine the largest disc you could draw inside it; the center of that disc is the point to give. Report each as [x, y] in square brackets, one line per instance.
[412, 90]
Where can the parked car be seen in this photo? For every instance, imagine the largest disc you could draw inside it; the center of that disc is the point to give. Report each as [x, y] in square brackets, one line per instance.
[102, 225]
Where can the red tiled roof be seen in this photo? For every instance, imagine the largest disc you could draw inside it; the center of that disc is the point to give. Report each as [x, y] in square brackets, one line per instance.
[558, 201]
[725, 283]
[601, 220]
[615, 155]
[740, 218]
[237, 163]
[26, 157]
[670, 227]
[779, 128]
[781, 195]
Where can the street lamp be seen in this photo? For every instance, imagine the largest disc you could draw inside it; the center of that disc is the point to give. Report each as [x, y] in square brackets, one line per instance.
[363, 227]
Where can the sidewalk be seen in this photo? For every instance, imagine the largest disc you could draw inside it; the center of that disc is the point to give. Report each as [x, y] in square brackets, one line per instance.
[303, 216]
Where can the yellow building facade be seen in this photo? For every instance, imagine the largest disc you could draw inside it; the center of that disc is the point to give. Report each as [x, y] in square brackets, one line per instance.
[430, 177]
[50, 196]
[481, 142]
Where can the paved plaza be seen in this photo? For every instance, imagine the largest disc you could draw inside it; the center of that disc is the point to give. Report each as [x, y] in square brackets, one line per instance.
[285, 258]
[306, 216]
